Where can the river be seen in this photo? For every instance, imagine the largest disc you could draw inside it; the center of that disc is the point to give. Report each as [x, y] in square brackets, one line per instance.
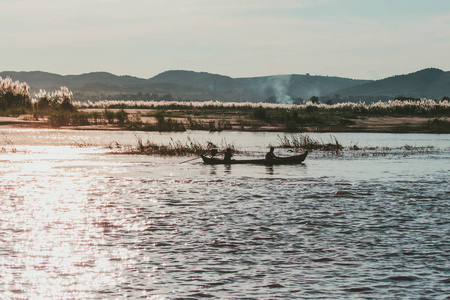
[79, 222]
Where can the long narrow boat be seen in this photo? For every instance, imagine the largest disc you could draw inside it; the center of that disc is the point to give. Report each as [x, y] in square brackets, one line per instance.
[290, 160]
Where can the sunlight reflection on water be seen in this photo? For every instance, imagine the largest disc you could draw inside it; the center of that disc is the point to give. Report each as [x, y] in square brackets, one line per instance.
[55, 233]
[79, 223]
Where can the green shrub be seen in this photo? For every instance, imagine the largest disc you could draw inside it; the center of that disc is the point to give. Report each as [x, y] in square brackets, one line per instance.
[437, 126]
[260, 113]
[68, 118]
[48, 104]
[109, 116]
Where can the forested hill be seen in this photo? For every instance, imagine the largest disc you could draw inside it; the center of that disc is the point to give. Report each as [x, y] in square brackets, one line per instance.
[283, 88]
[189, 85]
[428, 83]
[44, 80]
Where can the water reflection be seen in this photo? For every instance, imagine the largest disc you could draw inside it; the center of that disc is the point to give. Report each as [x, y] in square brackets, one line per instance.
[79, 224]
[213, 170]
[50, 225]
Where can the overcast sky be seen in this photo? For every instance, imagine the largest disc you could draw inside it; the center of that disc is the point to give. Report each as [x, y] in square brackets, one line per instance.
[239, 38]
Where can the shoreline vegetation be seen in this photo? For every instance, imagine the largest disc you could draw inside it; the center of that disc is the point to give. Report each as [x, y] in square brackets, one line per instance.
[425, 116]
[58, 110]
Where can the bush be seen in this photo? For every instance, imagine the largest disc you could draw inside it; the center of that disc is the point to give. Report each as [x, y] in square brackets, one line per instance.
[260, 113]
[437, 126]
[67, 118]
[50, 103]
[15, 112]
[14, 94]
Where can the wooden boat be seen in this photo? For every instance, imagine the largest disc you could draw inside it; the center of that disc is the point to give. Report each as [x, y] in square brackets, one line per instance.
[290, 160]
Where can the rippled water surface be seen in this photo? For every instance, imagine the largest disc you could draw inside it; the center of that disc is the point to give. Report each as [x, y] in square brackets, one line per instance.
[81, 223]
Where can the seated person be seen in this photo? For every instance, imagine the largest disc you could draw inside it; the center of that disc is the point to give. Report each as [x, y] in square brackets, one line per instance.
[228, 155]
[270, 156]
[213, 152]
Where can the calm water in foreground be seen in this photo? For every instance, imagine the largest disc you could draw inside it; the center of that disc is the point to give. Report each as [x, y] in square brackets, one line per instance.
[81, 223]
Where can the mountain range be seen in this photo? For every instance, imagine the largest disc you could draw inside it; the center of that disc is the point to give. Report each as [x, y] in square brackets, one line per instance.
[188, 85]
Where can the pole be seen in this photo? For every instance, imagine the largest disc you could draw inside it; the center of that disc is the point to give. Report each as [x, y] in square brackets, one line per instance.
[189, 160]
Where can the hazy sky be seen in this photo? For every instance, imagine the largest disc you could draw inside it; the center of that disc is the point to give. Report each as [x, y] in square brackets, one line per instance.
[240, 38]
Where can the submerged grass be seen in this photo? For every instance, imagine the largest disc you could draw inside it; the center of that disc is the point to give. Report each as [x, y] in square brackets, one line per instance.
[305, 142]
[178, 148]
[294, 142]
[302, 142]
[212, 126]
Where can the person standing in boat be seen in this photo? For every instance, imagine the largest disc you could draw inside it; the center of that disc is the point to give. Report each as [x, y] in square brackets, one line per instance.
[270, 156]
[228, 155]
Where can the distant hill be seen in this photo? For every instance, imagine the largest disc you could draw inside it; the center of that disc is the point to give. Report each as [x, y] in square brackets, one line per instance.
[43, 80]
[428, 83]
[189, 85]
[284, 88]
[201, 80]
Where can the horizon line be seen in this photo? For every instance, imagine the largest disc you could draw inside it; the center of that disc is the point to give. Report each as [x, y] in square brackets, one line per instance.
[181, 70]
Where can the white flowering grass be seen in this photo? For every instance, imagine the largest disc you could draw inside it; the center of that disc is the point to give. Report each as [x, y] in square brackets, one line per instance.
[57, 96]
[16, 88]
[14, 97]
[424, 106]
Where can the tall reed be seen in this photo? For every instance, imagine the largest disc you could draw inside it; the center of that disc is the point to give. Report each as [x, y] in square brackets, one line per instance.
[173, 148]
[305, 142]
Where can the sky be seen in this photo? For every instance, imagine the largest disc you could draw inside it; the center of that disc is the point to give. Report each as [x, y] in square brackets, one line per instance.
[357, 39]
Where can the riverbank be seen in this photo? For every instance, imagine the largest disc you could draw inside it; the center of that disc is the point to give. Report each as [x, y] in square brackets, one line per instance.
[236, 122]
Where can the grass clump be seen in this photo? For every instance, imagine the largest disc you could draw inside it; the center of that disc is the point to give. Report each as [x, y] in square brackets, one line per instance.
[14, 95]
[299, 142]
[178, 148]
[437, 126]
[174, 148]
[212, 126]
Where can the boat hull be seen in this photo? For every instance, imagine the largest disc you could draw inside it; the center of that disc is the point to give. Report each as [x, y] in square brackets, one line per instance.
[290, 160]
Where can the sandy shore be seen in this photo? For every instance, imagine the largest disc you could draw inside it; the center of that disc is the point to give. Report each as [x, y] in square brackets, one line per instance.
[362, 124]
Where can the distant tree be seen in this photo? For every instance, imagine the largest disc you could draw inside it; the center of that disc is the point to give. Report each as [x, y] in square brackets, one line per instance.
[445, 98]
[298, 101]
[60, 100]
[167, 97]
[14, 94]
[402, 98]
[260, 113]
[314, 99]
